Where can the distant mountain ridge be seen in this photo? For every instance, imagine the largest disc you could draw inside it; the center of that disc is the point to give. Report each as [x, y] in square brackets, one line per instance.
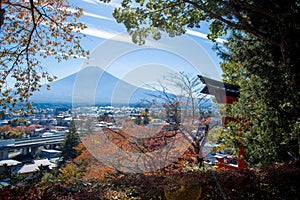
[91, 84]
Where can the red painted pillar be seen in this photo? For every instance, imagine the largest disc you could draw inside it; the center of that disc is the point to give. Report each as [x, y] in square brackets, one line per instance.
[220, 163]
[241, 154]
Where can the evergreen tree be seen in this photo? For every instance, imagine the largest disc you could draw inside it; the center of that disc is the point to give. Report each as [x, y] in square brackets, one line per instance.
[146, 116]
[71, 140]
[138, 120]
[267, 115]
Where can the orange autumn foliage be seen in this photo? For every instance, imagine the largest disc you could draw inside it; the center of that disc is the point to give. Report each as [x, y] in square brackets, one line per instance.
[84, 167]
[108, 143]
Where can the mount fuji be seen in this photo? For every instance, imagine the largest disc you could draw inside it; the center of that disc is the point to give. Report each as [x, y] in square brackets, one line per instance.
[92, 85]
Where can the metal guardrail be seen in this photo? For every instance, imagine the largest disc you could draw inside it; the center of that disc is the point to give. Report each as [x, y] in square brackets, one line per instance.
[38, 139]
[34, 141]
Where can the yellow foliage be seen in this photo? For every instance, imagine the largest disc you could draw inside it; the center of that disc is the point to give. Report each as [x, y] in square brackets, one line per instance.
[184, 192]
[70, 173]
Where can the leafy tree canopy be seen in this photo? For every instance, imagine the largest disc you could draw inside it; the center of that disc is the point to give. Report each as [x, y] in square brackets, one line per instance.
[18, 122]
[267, 108]
[30, 31]
[269, 20]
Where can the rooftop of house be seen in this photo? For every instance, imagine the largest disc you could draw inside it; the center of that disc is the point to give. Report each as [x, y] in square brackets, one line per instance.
[9, 162]
[28, 168]
[31, 168]
[42, 162]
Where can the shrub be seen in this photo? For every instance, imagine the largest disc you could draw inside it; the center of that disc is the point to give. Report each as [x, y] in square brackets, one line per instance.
[273, 182]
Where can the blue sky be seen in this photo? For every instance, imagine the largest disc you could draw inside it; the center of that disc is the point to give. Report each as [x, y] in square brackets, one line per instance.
[103, 28]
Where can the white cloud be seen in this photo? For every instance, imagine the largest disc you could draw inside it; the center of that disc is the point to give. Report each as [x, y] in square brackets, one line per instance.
[97, 16]
[98, 33]
[91, 1]
[202, 35]
[112, 3]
